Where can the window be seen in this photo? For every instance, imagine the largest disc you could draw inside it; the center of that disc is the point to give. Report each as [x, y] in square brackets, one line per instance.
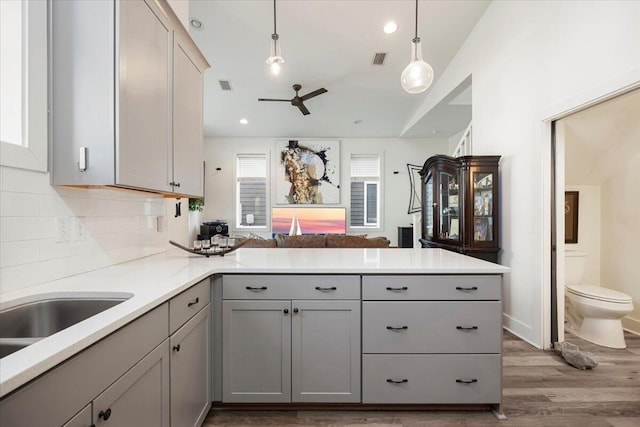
[23, 84]
[251, 191]
[365, 191]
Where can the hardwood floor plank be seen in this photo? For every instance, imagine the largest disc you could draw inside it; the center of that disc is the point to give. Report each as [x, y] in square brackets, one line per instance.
[539, 390]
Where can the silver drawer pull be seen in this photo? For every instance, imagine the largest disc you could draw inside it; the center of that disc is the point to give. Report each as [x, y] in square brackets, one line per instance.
[471, 289]
[332, 288]
[402, 381]
[467, 381]
[397, 328]
[262, 288]
[404, 288]
[466, 328]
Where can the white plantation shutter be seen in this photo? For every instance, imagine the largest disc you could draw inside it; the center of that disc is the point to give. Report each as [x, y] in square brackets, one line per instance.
[365, 191]
[365, 166]
[251, 190]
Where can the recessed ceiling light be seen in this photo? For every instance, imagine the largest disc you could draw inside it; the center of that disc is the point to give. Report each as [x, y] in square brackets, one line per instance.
[196, 24]
[244, 121]
[357, 122]
[390, 27]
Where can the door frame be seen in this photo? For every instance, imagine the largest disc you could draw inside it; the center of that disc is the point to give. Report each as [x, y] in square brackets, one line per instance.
[553, 169]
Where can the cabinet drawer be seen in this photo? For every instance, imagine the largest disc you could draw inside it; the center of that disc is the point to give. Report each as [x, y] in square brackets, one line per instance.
[431, 327]
[290, 287]
[438, 378]
[450, 287]
[183, 306]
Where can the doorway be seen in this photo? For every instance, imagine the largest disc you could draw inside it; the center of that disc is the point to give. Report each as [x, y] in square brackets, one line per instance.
[595, 153]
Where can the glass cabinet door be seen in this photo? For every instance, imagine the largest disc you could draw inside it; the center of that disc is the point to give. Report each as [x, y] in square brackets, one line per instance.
[483, 215]
[428, 210]
[448, 207]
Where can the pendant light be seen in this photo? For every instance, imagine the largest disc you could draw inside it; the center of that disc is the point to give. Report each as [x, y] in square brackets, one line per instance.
[418, 75]
[275, 60]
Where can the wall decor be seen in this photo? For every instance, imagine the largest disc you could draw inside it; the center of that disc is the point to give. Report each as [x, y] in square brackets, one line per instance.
[415, 187]
[308, 172]
[571, 216]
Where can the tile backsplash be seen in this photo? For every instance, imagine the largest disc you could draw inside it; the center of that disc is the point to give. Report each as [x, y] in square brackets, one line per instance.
[48, 232]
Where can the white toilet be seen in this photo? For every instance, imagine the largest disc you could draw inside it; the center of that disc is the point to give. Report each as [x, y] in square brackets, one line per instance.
[593, 312]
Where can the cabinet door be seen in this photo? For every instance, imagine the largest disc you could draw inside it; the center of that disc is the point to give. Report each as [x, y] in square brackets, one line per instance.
[256, 351]
[82, 418]
[190, 371]
[143, 144]
[325, 351]
[140, 397]
[484, 207]
[448, 206]
[188, 173]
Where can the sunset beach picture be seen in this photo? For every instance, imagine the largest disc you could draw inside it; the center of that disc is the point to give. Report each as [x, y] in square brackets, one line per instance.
[293, 221]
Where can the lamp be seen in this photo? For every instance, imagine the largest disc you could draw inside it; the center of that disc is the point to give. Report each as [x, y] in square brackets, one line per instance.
[275, 60]
[418, 75]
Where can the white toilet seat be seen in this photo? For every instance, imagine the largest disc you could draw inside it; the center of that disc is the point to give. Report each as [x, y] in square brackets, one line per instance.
[599, 293]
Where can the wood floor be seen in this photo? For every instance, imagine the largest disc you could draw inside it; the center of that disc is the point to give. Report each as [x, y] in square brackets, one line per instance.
[539, 388]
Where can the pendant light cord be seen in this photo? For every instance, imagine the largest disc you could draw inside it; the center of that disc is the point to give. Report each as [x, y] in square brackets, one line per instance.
[416, 18]
[274, 17]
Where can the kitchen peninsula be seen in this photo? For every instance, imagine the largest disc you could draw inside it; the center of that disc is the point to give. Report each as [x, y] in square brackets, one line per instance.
[397, 303]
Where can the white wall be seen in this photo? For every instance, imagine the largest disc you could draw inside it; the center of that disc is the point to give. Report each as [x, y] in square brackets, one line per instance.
[120, 226]
[589, 227]
[526, 58]
[620, 232]
[220, 185]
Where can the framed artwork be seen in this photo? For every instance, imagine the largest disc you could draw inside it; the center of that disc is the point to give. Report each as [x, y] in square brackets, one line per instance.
[415, 188]
[571, 216]
[308, 172]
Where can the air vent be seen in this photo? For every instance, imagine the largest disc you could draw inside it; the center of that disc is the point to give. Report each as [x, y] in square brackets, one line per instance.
[224, 84]
[378, 59]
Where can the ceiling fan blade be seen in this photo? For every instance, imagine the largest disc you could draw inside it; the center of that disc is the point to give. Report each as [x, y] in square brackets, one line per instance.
[302, 108]
[271, 99]
[314, 93]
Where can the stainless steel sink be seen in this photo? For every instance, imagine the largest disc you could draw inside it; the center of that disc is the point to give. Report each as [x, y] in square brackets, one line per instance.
[27, 323]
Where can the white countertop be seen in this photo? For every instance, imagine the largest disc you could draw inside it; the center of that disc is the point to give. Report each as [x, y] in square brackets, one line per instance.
[155, 279]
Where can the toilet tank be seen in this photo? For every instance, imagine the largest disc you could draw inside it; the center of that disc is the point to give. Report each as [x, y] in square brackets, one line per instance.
[574, 264]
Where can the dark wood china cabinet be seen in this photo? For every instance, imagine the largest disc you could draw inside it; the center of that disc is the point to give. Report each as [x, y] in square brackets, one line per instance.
[460, 205]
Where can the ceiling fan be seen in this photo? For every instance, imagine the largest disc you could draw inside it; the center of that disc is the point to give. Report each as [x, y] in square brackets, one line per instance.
[298, 100]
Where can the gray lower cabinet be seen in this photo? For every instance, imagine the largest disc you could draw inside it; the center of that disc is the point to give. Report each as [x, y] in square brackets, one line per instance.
[190, 371]
[65, 393]
[256, 351]
[432, 339]
[325, 351]
[140, 397]
[291, 350]
[82, 418]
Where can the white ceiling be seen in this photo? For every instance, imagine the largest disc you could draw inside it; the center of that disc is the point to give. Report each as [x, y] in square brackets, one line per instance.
[330, 44]
[599, 138]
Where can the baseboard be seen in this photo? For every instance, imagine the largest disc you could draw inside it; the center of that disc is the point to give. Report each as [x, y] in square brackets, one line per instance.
[632, 325]
[519, 329]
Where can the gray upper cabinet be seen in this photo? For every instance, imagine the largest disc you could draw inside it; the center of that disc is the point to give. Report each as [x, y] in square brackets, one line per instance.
[188, 173]
[126, 97]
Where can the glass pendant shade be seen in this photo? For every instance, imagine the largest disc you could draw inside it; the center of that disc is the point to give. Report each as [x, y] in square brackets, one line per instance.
[418, 75]
[275, 60]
